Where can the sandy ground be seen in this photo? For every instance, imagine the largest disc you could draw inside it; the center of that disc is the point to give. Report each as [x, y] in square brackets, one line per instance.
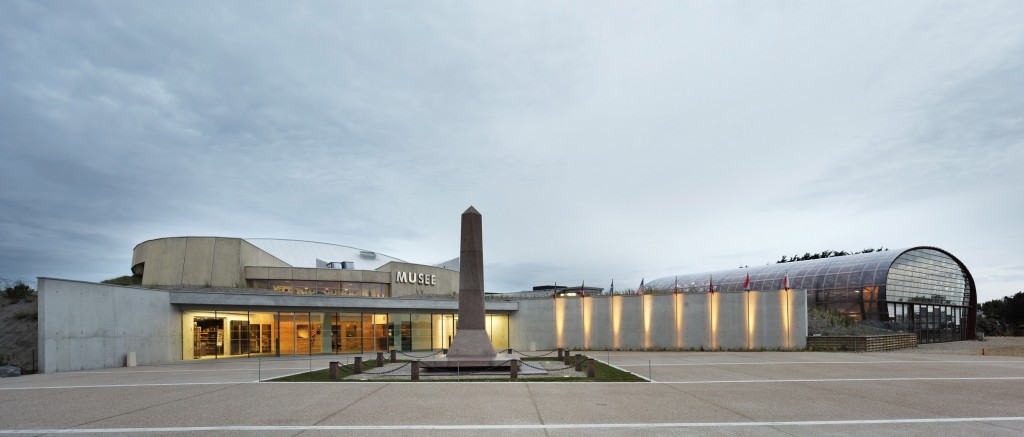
[18, 335]
[995, 346]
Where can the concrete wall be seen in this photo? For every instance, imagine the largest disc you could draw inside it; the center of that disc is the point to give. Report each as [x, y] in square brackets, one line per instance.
[202, 261]
[92, 326]
[229, 262]
[446, 282]
[723, 321]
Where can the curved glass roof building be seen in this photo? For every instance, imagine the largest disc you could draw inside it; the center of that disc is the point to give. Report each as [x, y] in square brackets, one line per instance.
[924, 290]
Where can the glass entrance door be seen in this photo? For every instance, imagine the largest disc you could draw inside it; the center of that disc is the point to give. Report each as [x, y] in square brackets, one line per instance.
[345, 333]
[303, 334]
[286, 333]
[299, 333]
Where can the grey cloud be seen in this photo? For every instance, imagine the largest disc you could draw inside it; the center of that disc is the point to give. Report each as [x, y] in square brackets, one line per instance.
[609, 143]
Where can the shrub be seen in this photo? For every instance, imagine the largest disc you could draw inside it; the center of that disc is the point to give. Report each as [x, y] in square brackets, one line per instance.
[18, 292]
[25, 315]
[124, 280]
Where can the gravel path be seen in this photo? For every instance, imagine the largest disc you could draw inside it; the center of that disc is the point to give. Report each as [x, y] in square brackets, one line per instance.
[1001, 346]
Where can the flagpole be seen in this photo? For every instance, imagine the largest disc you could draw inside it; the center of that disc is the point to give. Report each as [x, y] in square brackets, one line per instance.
[789, 320]
[746, 287]
[789, 325]
[643, 311]
[583, 315]
[711, 313]
[789, 317]
[675, 311]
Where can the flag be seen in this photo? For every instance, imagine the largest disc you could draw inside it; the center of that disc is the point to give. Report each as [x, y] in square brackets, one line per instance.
[675, 290]
[611, 290]
[582, 286]
[711, 284]
[640, 291]
[746, 283]
[785, 282]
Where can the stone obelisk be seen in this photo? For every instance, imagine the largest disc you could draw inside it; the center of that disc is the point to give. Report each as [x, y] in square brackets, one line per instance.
[471, 339]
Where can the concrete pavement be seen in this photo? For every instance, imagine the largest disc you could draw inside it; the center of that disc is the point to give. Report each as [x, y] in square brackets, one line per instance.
[760, 393]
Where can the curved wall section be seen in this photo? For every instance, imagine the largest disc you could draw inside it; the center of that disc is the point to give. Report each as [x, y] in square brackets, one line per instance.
[200, 261]
[927, 276]
[931, 293]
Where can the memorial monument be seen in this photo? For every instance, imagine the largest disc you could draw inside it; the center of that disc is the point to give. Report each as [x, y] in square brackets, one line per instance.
[471, 347]
[471, 339]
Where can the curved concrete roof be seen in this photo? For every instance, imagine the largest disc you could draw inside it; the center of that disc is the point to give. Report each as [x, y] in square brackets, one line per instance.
[305, 253]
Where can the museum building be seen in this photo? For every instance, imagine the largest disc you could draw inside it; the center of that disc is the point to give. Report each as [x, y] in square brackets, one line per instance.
[395, 303]
[206, 298]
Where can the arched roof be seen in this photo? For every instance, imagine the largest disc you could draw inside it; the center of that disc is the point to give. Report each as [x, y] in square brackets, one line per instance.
[299, 253]
[850, 272]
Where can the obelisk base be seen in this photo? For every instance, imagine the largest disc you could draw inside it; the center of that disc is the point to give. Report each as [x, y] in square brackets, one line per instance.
[471, 343]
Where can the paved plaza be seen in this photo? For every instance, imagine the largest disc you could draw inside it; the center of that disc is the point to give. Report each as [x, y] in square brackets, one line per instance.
[752, 393]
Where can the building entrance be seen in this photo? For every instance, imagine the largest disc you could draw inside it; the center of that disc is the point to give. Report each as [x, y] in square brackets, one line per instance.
[208, 336]
[218, 334]
[931, 323]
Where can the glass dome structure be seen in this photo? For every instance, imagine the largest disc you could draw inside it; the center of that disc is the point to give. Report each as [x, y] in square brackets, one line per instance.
[924, 290]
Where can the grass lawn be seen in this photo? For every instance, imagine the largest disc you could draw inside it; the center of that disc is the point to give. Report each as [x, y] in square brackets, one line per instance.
[322, 375]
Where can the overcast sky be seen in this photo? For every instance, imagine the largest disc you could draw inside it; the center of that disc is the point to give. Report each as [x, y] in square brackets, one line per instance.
[600, 141]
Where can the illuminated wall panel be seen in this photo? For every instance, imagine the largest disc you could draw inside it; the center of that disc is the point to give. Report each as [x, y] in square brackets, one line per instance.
[690, 321]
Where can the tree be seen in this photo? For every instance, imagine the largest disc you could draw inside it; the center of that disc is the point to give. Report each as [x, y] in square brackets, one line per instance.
[1006, 313]
[825, 254]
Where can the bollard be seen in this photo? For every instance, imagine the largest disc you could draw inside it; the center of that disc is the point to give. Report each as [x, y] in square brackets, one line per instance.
[591, 368]
[509, 351]
[444, 351]
[568, 354]
[357, 364]
[393, 357]
[514, 369]
[560, 357]
[415, 370]
[579, 362]
[334, 371]
[380, 359]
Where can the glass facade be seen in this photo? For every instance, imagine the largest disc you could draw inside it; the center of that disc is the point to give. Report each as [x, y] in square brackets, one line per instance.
[922, 290]
[929, 294]
[356, 289]
[222, 334]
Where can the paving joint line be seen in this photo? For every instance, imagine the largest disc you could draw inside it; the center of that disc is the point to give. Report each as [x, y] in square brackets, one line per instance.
[537, 409]
[155, 405]
[492, 427]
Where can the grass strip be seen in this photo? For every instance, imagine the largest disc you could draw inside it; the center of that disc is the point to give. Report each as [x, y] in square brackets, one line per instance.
[323, 375]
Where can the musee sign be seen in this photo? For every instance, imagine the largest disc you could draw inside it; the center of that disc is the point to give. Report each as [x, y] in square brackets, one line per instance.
[415, 278]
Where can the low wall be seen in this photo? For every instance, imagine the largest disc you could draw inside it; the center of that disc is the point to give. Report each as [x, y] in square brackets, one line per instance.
[723, 321]
[874, 343]
[84, 325]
